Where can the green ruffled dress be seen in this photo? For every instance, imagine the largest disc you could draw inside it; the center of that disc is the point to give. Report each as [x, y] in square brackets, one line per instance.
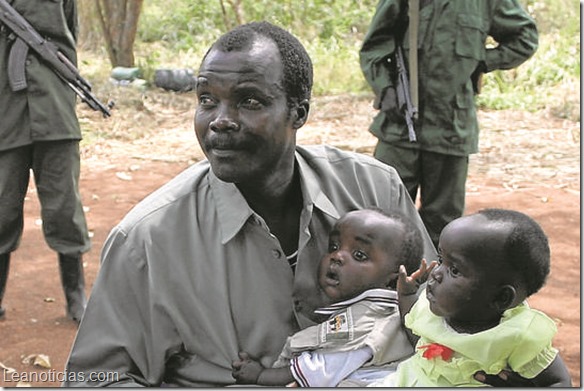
[522, 342]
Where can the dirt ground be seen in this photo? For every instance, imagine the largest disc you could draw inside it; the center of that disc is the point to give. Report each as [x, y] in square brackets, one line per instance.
[528, 161]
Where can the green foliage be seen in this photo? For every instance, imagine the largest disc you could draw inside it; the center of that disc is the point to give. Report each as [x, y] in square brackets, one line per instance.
[178, 32]
[550, 79]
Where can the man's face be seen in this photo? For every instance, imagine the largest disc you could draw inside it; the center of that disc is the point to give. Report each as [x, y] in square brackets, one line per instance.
[363, 254]
[243, 122]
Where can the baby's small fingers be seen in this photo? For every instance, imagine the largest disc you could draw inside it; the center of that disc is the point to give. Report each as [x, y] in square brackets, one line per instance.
[243, 355]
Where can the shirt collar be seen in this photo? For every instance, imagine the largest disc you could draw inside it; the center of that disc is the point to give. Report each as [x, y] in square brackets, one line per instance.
[234, 211]
[311, 188]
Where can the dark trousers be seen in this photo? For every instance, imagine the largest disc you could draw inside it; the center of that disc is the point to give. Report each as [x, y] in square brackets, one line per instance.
[55, 165]
[440, 179]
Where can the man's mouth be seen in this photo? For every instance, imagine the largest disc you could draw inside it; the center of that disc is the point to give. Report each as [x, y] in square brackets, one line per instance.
[227, 148]
[224, 152]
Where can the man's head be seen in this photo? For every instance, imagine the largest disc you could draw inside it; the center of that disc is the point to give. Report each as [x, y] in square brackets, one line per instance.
[253, 89]
[366, 248]
[297, 79]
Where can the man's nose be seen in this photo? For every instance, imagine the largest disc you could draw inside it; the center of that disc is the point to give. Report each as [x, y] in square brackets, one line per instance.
[224, 121]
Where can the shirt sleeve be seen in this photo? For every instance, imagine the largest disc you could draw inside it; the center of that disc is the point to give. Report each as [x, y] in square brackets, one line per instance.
[379, 44]
[120, 341]
[313, 369]
[516, 34]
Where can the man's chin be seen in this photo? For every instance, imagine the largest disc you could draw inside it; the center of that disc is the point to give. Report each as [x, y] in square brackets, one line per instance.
[231, 173]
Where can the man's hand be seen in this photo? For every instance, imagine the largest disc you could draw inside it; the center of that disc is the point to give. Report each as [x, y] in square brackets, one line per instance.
[504, 379]
[390, 107]
[246, 370]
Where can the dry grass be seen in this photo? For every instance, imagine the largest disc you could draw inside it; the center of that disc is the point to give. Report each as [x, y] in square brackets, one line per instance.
[516, 148]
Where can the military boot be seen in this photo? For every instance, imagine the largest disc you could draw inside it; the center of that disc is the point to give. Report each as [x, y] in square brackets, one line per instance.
[4, 267]
[73, 282]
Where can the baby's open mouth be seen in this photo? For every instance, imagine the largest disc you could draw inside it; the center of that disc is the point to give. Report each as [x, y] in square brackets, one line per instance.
[332, 278]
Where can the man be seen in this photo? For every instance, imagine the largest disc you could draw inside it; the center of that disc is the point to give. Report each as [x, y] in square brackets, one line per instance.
[39, 131]
[224, 257]
[451, 55]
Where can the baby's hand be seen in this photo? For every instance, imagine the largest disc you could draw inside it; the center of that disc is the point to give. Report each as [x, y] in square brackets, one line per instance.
[246, 370]
[409, 285]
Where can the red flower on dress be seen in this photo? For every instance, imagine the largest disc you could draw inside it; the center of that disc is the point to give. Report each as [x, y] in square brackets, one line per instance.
[436, 350]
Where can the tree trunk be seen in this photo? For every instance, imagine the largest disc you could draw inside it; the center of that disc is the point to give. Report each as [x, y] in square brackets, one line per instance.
[119, 24]
[90, 35]
[236, 7]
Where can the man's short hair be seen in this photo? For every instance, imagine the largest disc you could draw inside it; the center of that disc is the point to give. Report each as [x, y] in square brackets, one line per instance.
[296, 62]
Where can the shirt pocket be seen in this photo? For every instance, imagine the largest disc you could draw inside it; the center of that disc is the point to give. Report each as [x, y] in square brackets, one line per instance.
[470, 36]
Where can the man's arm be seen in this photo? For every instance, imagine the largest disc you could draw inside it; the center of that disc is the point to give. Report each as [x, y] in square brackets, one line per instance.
[516, 34]
[379, 43]
[119, 337]
[555, 375]
[71, 16]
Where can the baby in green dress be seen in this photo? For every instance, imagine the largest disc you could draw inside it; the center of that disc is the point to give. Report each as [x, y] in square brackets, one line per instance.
[473, 317]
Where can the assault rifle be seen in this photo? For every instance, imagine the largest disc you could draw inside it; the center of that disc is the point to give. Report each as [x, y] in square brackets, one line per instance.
[404, 100]
[27, 37]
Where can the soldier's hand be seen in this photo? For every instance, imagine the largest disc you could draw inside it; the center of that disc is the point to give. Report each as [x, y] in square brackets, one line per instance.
[389, 105]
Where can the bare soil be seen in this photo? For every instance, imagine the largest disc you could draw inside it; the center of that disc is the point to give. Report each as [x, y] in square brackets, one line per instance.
[528, 161]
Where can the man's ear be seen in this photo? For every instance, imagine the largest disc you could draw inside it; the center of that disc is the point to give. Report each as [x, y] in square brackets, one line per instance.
[300, 114]
[505, 298]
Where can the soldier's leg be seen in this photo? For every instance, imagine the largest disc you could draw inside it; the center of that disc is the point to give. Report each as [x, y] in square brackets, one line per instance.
[56, 166]
[442, 191]
[405, 160]
[14, 177]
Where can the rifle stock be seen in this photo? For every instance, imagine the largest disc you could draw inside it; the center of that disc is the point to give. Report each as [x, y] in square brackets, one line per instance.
[404, 100]
[27, 37]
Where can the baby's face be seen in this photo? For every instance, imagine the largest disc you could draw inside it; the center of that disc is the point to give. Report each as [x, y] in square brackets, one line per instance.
[463, 287]
[362, 254]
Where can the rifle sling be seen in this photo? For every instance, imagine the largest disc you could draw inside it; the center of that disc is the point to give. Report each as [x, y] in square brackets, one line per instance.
[414, 21]
[17, 66]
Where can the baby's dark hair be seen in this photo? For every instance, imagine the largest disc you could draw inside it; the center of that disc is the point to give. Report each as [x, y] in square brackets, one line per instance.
[527, 250]
[412, 248]
[298, 72]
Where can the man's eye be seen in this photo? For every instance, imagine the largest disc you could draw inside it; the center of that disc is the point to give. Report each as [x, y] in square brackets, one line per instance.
[440, 259]
[251, 104]
[360, 256]
[205, 100]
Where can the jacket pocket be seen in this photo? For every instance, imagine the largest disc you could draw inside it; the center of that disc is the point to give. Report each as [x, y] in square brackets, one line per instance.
[470, 37]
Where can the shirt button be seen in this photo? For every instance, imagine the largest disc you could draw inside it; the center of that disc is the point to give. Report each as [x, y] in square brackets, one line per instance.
[277, 253]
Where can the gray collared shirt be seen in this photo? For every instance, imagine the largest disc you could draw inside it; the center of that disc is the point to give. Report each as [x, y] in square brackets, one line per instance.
[192, 275]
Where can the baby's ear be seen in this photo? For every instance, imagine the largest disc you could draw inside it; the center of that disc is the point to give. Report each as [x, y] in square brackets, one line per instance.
[505, 298]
